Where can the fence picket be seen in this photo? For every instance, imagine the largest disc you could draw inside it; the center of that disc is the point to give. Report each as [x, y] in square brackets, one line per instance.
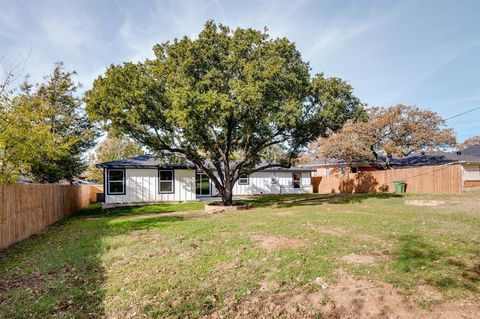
[428, 179]
[26, 209]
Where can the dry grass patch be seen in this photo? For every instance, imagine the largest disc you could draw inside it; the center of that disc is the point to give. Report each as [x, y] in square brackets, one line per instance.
[429, 203]
[357, 259]
[270, 242]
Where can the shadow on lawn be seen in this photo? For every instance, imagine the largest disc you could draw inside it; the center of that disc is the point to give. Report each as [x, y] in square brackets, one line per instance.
[287, 201]
[95, 211]
[444, 270]
[59, 273]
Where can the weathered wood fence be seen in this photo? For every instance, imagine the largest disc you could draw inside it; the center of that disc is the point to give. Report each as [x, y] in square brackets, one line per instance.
[26, 209]
[427, 179]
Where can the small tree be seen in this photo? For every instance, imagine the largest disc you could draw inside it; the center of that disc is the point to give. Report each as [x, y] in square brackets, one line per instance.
[396, 131]
[223, 101]
[111, 149]
[474, 140]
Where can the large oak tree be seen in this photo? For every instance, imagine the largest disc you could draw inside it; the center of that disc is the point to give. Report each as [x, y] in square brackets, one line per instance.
[223, 101]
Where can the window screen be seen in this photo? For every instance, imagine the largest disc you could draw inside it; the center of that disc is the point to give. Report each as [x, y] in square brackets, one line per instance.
[116, 181]
[296, 180]
[165, 181]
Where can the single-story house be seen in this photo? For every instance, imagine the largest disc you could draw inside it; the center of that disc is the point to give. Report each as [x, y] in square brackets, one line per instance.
[469, 158]
[147, 178]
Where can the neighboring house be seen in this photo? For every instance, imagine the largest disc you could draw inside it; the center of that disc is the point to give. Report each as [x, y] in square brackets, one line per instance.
[329, 166]
[149, 179]
[469, 158]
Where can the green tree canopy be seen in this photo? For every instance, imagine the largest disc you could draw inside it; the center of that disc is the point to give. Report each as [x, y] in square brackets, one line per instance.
[23, 133]
[221, 100]
[44, 130]
[72, 131]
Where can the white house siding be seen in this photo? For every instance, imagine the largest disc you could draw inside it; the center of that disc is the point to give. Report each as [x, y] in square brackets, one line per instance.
[261, 183]
[142, 186]
[471, 172]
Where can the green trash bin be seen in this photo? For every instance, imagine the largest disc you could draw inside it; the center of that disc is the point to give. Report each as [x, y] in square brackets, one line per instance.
[399, 187]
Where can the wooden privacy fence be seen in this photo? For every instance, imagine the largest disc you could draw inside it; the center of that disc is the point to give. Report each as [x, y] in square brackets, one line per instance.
[427, 179]
[26, 209]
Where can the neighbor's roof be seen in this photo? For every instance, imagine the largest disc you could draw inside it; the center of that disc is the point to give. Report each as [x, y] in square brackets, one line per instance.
[150, 161]
[468, 155]
[436, 158]
[473, 150]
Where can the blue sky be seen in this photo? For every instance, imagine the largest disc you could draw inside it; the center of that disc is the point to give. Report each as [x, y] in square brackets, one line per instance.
[425, 53]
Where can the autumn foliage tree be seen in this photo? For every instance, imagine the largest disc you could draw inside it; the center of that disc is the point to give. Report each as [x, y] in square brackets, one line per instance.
[395, 131]
[224, 101]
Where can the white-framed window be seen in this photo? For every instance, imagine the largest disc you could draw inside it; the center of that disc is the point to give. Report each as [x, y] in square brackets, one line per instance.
[297, 180]
[115, 181]
[243, 179]
[165, 181]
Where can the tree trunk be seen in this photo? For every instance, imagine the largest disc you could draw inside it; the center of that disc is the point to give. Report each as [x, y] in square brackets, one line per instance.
[227, 194]
[388, 161]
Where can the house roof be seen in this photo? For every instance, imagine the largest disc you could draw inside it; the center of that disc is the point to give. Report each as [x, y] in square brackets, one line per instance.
[468, 155]
[150, 161]
[436, 158]
[145, 161]
[473, 150]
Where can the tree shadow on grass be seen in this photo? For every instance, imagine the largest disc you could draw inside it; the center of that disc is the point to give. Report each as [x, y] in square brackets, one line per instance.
[95, 210]
[414, 252]
[288, 201]
[59, 273]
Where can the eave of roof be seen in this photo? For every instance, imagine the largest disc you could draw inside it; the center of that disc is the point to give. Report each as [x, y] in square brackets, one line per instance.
[148, 161]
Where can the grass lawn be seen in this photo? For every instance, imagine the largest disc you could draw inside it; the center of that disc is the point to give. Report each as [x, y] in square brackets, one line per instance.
[291, 256]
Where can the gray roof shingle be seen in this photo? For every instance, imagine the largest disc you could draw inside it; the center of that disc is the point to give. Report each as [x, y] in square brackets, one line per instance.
[145, 161]
[473, 150]
[150, 161]
[468, 155]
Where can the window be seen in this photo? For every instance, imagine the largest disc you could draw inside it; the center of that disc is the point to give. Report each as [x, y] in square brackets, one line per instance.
[165, 181]
[116, 182]
[296, 180]
[354, 169]
[202, 184]
[243, 179]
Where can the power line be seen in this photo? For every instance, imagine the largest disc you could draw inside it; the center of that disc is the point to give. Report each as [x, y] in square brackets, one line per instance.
[460, 114]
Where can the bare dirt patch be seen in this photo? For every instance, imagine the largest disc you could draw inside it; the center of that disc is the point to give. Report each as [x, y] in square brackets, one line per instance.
[285, 213]
[342, 232]
[145, 236]
[270, 242]
[358, 259]
[428, 203]
[333, 231]
[361, 298]
[348, 298]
